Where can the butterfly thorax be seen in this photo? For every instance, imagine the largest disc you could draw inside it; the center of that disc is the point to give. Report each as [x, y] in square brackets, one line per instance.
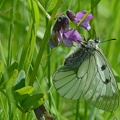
[89, 46]
[84, 51]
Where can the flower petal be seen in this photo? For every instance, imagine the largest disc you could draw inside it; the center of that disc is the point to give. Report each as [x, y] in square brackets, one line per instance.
[64, 39]
[61, 23]
[71, 15]
[85, 25]
[73, 35]
[67, 42]
[80, 14]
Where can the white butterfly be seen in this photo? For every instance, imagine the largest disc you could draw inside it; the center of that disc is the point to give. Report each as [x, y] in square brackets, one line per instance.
[86, 73]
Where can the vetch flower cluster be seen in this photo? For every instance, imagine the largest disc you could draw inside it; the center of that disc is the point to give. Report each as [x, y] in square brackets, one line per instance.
[62, 34]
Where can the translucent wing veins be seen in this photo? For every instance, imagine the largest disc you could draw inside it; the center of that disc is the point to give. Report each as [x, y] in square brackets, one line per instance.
[86, 73]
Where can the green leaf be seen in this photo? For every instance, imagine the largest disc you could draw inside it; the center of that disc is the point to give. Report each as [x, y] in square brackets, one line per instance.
[2, 53]
[8, 74]
[36, 15]
[25, 90]
[12, 68]
[21, 94]
[51, 5]
[94, 3]
[28, 49]
[20, 80]
[1, 66]
[20, 98]
[19, 85]
[12, 79]
[34, 101]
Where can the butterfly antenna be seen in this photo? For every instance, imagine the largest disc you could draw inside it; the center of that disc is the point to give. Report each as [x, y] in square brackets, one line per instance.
[107, 40]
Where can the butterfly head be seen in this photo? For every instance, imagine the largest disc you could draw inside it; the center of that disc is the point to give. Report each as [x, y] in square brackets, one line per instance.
[90, 44]
[97, 41]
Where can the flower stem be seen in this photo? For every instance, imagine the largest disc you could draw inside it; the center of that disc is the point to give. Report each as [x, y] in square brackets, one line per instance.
[42, 8]
[45, 38]
[84, 18]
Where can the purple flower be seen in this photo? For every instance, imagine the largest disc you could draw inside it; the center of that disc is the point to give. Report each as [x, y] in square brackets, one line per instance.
[73, 35]
[76, 18]
[62, 34]
[69, 37]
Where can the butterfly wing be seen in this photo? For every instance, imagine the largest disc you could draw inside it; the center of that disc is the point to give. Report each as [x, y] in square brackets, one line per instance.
[88, 74]
[71, 81]
[103, 91]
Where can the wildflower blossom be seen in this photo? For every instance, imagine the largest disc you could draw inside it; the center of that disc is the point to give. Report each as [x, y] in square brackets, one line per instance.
[62, 34]
[76, 18]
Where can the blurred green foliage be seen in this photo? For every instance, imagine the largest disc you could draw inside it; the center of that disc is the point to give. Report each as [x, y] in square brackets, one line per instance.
[25, 28]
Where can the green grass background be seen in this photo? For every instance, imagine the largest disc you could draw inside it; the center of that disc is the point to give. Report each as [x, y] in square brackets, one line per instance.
[25, 28]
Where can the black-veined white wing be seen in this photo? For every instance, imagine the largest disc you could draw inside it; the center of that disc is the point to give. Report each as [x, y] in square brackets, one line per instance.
[70, 84]
[103, 91]
[86, 73]
[71, 80]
